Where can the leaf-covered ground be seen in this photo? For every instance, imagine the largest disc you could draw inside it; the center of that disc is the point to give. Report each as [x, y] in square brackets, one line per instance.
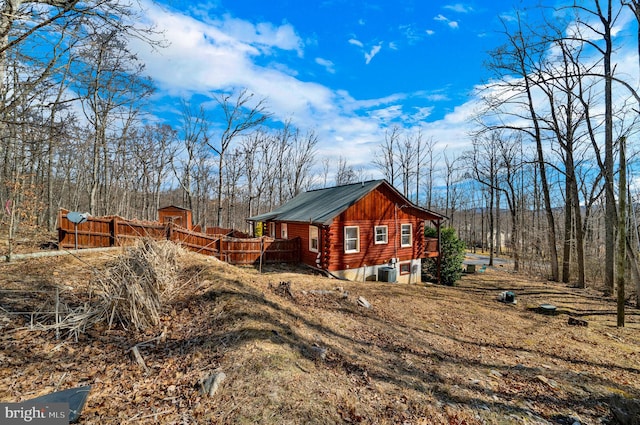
[298, 349]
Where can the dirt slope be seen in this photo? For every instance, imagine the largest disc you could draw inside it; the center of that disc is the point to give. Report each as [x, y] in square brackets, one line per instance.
[305, 352]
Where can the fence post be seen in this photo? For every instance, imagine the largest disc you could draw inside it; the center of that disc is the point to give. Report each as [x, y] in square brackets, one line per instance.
[113, 237]
[169, 230]
[61, 231]
[261, 251]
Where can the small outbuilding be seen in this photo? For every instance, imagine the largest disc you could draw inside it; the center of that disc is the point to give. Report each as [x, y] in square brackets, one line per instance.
[361, 231]
[180, 216]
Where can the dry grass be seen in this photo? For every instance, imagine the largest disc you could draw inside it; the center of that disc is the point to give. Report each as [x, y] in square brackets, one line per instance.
[133, 289]
[421, 355]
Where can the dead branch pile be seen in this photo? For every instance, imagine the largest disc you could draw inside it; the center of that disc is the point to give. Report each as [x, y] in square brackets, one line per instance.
[132, 290]
[283, 289]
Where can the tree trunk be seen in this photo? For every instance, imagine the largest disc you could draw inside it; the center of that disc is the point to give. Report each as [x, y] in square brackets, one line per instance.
[491, 226]
[579, 239]
[622, 233]
[514, 240]
[635, 271]
[568, 224]
[551, 230]
[610, 207]
[498, 226]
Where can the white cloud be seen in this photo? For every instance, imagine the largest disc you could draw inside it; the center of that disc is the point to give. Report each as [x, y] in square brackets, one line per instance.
[262, 34]
[208, 57]
[422, 113]
[388, 114]
[327, 64]
[444, 19]
[509, 16]
[411, 33]
[374, 51]
[437, 97]
[374, 103]
[459, 7]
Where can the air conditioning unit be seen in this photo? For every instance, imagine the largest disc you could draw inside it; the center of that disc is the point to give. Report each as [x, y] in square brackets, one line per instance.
[386, 274]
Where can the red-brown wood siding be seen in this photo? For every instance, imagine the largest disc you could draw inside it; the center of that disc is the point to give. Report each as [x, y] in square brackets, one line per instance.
[381, 207]
[371, 253]
[378, 208]
[301, 230]
[180, 216]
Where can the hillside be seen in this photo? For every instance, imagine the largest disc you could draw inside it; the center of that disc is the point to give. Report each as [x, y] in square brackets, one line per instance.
[297, 348]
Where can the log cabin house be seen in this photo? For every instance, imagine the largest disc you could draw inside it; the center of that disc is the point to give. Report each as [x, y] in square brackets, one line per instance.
[362, 231]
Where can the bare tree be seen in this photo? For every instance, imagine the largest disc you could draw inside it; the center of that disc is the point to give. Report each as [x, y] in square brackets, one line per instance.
[483, 162]
[194, 138]
[152, 154]
[345, 173]
[250, 147]
[432, 158]
[634, 6]
[110, 80]
[233, 173]
[281, 149]
[513, 99]
[47, 36]
[301, 159]
[239, 116]
[510, 162]
[604, 12]
[326, 167]
[622, 234]
[385, 157]
[407, 156]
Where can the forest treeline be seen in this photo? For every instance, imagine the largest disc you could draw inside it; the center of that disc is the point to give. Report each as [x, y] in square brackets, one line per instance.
[544, 178]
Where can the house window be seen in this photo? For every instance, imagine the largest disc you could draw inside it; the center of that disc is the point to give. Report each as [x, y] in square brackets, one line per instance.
[272, 229]
[381, 235]
[405, 268]
[405, 235]
[313, 239]
[351, 239]
[283, 231]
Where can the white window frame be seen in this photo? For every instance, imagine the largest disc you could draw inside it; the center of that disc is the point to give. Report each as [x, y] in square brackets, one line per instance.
[403, 233]
[272, 229]
[357, 239]
[313, 235]
[284, 234]
[386, 235]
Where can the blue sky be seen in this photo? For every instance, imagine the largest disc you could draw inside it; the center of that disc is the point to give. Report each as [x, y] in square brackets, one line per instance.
[346, 69]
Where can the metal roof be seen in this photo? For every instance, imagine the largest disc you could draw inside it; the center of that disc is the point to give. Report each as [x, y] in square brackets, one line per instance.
[321, 206]
[174, 206]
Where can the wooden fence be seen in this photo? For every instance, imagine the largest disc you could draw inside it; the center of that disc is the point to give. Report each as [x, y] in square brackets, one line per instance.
[102, 232]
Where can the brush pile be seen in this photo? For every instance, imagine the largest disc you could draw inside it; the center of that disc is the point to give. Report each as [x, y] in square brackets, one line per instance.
[134, 287]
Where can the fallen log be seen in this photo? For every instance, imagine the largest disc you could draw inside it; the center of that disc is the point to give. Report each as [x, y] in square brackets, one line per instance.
[574, 321]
